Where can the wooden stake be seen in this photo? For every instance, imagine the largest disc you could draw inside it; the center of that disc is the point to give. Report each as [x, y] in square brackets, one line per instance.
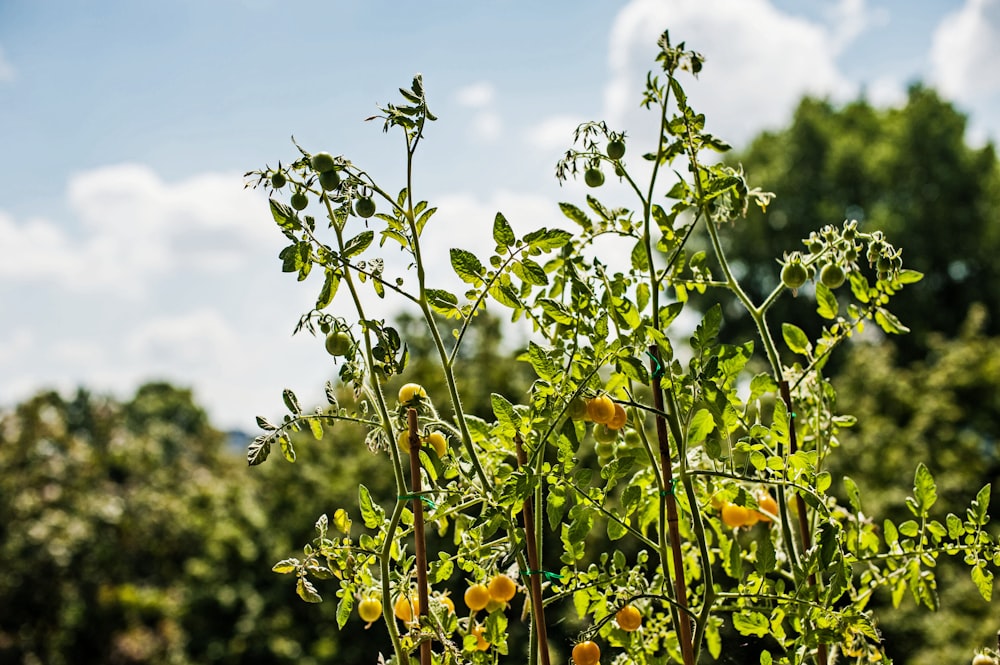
[423, 598]
[534, 561]
[684, 629]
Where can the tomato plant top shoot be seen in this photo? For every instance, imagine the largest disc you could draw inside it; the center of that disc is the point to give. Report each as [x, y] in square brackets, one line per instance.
[689, 484]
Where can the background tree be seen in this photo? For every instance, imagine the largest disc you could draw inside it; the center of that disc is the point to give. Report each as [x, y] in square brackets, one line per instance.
[907, 171]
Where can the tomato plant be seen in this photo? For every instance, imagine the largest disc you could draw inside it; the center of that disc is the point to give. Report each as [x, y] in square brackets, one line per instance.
[715, 514]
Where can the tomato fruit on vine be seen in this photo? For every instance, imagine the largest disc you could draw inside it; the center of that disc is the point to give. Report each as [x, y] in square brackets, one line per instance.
[577, 409]
[616, 149]
[593, 177]
[769, 505]
[983, 659]
[481, 643]
[370, 609]
[794, 275]
[405, 609]
[322, 162]
[477, 596]
[586, 653]
[734, 515]
[365, 207]
[329, 180]
[411, 392]
[299, 200]
[604, 434]
[832, 275]
[278, 180]
[619, 418]
[438, 443]
[338, 343]
[502, 588]
[629, 619]
[601, 409]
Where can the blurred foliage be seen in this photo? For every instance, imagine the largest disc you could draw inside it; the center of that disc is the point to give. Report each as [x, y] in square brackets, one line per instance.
[945, 412]
[907, 171]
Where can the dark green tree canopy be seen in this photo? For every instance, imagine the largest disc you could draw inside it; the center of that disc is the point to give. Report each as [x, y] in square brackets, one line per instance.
[907, 171]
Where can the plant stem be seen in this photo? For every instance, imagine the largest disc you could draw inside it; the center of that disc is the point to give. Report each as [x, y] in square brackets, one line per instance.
[420, 545]
[534, 562]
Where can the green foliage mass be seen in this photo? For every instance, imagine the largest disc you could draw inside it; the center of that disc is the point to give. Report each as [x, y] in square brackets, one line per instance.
[907, 171]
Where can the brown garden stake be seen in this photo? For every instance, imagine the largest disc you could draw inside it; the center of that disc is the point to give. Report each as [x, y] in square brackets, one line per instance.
[418, 530]
[800, 503]
[535, 574]
[684, 627]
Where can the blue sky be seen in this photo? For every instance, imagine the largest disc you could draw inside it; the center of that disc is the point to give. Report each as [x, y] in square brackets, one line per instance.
[132, 252]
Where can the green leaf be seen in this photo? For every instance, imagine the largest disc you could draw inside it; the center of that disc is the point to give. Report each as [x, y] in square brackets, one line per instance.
[371, 513]
[826, 302]
[344, 608]
[909, 528]
[307, 591]
[503, 234]
[259, 450]
[795, 338]
[555, 310]
[766, 558]
[853, 493]
[505, 413]
[889, 323]
[316, 427]
[924, 488]
[708, 330]
[616, 530]
[441, 301]
[329, 290]
[983, 579]
[669, 313]
[540, 361]
[286, 448]
[358, 244]
[748, 622]
[909, 276]
[577, 215]
[467, 266]
[702, 424]
[548, 239]
[291, 402]
[286, 566]
[530, 272]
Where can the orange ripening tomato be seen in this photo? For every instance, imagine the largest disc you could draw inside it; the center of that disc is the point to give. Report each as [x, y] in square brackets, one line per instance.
[618, 419]
[734, 516]
[586, 653]
[601, 409]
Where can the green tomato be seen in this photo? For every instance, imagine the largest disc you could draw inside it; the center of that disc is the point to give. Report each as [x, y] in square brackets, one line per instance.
[322, 162]
[616, 149]
[593, 177]
[365, 207]
[278, 180]
[299, 201]
[832, 276]
[794, 275]
[338, 343]
[329, 180]
[604, 434]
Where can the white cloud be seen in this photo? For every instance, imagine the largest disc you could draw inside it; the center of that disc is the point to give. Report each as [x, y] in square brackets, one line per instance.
[7, 72]
[477, 95]
[136, 227]
[554, 133]
[965, 53]
[760, 61]
[850, 18]
[486, 123]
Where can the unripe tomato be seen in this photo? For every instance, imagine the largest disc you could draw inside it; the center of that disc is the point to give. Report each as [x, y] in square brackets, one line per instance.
[616, 149]
[832, 275]
[601, 409]
[477, 596]
[370, 609]
[364, 207]
[577, 409]
[322, 162]
[794, 275]
[412, 392]
[629, 619]
[983, 659]
[299, 200]
[502, 588]
[338, 343]
[593, 177]
[329, 180]
[586, 653]
[603, 434]
[278, 180]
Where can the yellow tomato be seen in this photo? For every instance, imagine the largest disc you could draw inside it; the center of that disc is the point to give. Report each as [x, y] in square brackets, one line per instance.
[412, 393]
[477, 597]
[370, 609]
[586, 653]
[502, 588]
[628, 618]
[601, 409]
[619, 418]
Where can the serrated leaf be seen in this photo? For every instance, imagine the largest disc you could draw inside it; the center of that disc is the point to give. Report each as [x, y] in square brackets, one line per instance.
[924, 488]
[285, 566]
[702, 424]
[983, 579]
[371, 513]
[259, 450]
[555, 310]
[795, 338]
[505, 413]
[441, 301]
[344, 608]
[909, 276]
[853, 493]
[358, 244]
[888, 322]
[540, 361]
[465, 264]
[530, 272]
[503, 234]
[291, 402]
[826, 302]
[307, 591]
[747, 622]
[330, 285]
[577, 215]
[548, 239]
